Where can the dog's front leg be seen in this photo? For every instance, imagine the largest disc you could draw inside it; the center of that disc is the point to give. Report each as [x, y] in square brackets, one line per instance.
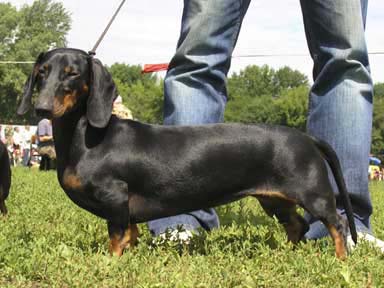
[121, 237]
[3, 208]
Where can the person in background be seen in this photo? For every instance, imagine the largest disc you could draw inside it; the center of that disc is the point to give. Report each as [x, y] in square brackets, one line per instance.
[2, 134]
[26, 145]
[17, 142]
[120, 110]
[340, 100]
[46, 146]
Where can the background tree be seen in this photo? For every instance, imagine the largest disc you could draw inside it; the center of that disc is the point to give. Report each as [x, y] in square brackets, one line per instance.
[263, 95]
[285, 79]
[141, 93]
[248, 109]
[291, 109]
[378, 121]
[379, 90]
[256, 95]
[8, 19]
[263, 80]
[253, 81]
[24, 34]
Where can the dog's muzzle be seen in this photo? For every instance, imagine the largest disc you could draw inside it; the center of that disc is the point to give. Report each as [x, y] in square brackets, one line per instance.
[43, 112]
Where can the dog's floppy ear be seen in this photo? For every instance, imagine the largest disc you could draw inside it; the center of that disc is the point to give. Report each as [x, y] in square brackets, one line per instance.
[102, 93]
[26, 98]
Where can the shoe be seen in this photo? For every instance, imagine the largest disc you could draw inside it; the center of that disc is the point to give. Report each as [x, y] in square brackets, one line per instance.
[376, 243]
[177, 236]
[182, 237]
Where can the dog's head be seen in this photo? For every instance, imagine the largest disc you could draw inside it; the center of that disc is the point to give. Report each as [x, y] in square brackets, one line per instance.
[67, 79]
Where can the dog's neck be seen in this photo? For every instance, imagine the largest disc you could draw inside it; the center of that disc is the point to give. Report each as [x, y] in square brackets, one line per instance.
[73, 136]
[63, 132]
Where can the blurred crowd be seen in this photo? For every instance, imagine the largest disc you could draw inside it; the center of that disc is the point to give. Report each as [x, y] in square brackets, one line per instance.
[28, 145]
[376, 172]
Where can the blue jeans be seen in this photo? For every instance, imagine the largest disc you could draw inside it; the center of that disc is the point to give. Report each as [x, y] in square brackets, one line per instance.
[340, 109]
[194, 87]
[340, 101]
[26, 156]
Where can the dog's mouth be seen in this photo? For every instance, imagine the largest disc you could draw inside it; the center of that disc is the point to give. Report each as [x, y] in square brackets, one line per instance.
[60, 106]
[44, 113]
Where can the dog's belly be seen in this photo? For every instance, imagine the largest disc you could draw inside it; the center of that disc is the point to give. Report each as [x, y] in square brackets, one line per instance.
[143, 209]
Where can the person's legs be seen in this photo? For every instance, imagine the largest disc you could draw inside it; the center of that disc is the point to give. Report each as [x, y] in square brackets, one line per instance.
[43, 163]
[49, 163]
[25, 156]
[194, 87]
[340, 106]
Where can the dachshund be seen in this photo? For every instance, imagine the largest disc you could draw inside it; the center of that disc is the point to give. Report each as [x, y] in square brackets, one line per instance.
[129, 172]
[5, 177]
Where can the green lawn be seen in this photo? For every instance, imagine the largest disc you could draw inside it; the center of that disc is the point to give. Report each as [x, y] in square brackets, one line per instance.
[47, 241]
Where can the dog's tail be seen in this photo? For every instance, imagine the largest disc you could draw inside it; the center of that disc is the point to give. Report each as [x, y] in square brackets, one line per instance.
[333, 161]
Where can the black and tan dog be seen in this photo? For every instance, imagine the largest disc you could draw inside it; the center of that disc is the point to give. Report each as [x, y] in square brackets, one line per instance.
[128, 172]
[5, 177]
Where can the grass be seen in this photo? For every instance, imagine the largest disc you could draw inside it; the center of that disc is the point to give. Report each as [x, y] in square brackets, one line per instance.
[47, 241]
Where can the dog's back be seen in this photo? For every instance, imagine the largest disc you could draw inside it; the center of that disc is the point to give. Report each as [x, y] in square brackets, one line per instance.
[5, 177]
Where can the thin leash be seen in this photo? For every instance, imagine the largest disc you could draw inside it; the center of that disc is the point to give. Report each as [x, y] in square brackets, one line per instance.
[93, 51]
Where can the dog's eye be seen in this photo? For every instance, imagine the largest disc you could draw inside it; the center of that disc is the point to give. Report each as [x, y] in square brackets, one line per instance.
[42, 71]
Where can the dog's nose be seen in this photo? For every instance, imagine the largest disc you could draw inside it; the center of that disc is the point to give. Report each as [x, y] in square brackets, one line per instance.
[43, 103]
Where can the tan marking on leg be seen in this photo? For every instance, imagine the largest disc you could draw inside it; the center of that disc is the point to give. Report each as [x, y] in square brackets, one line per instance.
[114, 245]
[118, 243]
[71, 180]
[130, 236]
[280, 205]
[273, 194]
[85, 88]
[338, 240]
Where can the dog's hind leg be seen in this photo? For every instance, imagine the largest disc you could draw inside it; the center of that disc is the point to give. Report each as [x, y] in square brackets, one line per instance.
[336, 225]
[121, 237]
[338, 232]
[285, 211]
[321, 204]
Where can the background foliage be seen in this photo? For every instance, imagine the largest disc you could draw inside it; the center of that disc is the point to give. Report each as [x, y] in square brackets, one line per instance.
[24, 34]
[378, 121]
[142, 93]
